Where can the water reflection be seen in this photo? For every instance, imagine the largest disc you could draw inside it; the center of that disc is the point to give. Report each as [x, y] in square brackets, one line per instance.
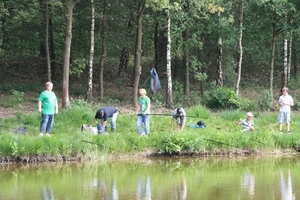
[143, 191]
[286, 188]
[248, 183]
[180, 179]
[47, 193]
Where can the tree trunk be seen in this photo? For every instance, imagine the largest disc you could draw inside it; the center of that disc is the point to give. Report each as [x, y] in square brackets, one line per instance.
[138, 53]
[169, 100]
[219, 60]
[290, 57]
[240, 47]
[285, 64]
[103, 55]
[89, 94]
[66, 66]
[123, 66]
[47, 42]
[272, 62]
[187, 62]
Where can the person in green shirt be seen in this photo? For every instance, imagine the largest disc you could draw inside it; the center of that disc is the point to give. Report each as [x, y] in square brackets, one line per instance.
[47, 106]
[143, 113]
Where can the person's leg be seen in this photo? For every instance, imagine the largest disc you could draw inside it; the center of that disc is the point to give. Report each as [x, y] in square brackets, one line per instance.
[288, 120]
[139, 122]
[43, 124]
[114, 121]
[280, 120]
[49, 124]
[147, 124]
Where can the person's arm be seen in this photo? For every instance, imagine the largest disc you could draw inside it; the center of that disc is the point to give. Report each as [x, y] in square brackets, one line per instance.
[148, 107]
[239, 122]
[40, 106]
[56, 107]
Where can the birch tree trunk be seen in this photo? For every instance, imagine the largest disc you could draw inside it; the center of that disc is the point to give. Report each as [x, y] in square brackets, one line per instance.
[169, 100]
[285, 64]
[138, 53]
[240, 47]
[290, 56]
[89, 94]
[68, 40]
[219, 60]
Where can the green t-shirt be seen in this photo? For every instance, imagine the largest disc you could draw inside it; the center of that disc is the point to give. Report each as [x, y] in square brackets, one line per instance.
[48, 99]
[144, 103]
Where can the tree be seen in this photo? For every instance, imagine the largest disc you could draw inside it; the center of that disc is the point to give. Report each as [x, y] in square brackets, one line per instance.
[68, 40]
[138, 52]
[241, 15]
[90, 77]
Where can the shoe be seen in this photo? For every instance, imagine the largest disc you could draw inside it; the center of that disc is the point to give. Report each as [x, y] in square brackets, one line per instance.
[48, 135]
[41, 135]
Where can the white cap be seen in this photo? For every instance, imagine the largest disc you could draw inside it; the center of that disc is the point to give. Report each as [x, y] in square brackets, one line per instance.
[249, 114]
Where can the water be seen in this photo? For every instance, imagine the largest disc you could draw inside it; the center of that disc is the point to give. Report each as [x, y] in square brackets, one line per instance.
[158, 179]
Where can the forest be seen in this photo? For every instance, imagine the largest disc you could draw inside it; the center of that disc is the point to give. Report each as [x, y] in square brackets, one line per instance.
[198, 47]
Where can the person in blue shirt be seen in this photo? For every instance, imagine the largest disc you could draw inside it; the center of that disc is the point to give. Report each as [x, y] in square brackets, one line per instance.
[103, 114]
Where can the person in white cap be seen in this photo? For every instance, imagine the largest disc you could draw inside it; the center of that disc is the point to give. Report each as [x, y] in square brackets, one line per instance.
[248, 123]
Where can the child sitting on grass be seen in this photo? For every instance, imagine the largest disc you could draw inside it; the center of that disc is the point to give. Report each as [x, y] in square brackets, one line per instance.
[248, 123]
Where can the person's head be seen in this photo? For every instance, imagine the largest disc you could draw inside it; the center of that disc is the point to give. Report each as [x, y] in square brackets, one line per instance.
[143, 92]
[249, 115]
[49, 86]
[284, 90]
[179, 112]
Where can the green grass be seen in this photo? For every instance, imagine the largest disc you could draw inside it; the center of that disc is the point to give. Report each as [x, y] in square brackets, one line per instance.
[221, 134]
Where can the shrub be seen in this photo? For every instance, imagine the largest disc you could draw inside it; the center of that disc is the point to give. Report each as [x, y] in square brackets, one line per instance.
[222, 98]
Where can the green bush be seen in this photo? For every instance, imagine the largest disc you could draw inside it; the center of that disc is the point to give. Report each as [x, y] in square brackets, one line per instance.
[222, 98]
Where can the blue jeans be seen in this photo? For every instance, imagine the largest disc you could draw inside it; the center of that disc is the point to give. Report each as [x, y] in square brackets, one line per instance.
[139, 123]
[46, 123]
[113, 123]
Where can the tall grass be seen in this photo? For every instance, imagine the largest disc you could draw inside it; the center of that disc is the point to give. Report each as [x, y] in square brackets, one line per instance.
[221, 134]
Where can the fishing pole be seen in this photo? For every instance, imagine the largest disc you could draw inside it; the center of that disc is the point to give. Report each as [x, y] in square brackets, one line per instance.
[170, 115]
[101, 145]
[261, 142]
[219, 142]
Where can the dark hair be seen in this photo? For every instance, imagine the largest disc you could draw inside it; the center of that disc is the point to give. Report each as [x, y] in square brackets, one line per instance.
[179, 111]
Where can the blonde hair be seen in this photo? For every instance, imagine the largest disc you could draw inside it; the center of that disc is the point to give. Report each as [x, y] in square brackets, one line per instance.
[143, 91]
[47, 84]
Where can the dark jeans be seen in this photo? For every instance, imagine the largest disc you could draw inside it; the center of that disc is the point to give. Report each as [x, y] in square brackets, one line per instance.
[46, 123]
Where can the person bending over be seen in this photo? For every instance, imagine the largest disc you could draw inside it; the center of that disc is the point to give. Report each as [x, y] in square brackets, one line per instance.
[180, 116]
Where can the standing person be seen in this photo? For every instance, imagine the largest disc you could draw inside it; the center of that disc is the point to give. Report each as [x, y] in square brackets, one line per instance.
[180, 116]
[103, 114]
[47, 106]
[248, 123]
[285, 102]
[143, 113]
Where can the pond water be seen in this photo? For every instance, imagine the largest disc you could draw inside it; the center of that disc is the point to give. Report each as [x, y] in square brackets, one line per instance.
[156, 179]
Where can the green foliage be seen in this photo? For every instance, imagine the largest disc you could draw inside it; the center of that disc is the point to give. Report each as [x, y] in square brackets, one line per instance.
[265, 101]
[221, 135]
[222, 98]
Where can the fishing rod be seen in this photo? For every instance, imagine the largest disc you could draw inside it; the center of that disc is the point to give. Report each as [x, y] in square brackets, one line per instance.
[219, 142]
[101, 145]
[170, 115]
[260, 142]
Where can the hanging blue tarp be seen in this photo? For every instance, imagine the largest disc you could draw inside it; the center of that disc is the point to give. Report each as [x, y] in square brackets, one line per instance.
[154, 83]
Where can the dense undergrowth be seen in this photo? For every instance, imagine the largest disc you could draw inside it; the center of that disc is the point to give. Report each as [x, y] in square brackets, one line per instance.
[221, 136]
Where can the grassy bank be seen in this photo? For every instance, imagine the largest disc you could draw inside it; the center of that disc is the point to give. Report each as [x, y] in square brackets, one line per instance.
[221, 136]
